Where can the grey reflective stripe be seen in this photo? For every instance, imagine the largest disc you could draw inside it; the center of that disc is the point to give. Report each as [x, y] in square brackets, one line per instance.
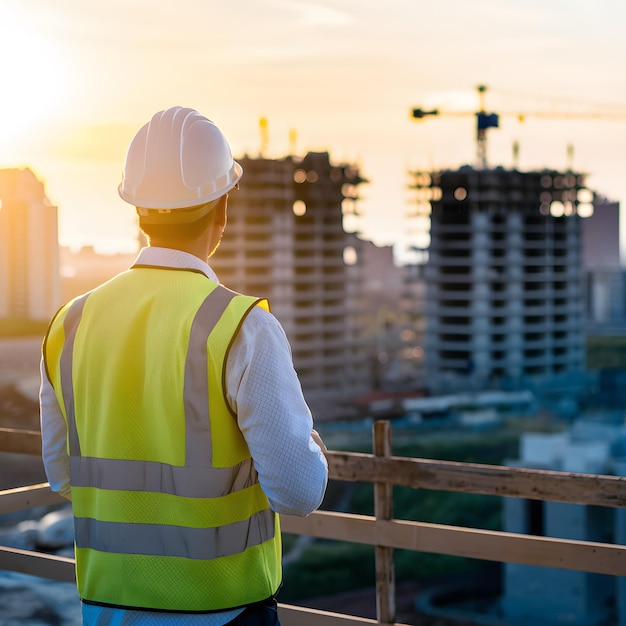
[199, 448]
[189, 482]
[66, 365]
[174, 541]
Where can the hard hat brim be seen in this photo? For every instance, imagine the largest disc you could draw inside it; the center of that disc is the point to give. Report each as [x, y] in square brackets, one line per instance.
[175, 216]
[204, 195]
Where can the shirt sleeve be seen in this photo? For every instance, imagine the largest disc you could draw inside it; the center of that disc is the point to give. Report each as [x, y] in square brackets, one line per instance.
[53, 438]
[264, 391]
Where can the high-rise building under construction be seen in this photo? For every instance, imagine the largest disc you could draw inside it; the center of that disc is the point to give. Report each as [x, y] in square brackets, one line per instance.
[503, 296]
[285, 240]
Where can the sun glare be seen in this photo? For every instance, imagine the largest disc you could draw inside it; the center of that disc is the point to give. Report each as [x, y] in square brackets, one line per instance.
[33, 83]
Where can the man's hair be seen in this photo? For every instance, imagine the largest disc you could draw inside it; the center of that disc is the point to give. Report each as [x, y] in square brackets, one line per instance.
[187, 231]
[185, 228]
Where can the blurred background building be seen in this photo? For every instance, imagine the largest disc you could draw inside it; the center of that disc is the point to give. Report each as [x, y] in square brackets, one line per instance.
[29, 249]
[605, 279]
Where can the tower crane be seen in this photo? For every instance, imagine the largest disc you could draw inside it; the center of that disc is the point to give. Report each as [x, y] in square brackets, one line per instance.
[486, 120]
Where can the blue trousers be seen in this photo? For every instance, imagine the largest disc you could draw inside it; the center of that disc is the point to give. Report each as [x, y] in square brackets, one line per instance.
[260, 614]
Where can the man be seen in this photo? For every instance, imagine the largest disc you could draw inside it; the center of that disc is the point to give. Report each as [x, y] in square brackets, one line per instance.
[171, 414]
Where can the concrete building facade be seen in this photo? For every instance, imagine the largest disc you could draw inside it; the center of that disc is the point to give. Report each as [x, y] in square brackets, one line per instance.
[29, 250]
[542, 596]
[285, 241]
[503, 278]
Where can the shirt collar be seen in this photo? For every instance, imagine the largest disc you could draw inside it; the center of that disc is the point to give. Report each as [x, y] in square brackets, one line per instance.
[168, 257]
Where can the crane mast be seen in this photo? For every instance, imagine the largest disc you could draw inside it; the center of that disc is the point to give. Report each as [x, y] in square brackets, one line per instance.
[484, 121]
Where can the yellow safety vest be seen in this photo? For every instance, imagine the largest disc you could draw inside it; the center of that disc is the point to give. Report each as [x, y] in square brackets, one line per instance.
[168, 510]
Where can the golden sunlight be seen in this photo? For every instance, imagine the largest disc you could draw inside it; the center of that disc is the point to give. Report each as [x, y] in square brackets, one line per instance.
[33, 79]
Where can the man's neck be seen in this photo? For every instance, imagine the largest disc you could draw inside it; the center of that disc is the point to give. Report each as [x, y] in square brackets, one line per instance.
[197, 247]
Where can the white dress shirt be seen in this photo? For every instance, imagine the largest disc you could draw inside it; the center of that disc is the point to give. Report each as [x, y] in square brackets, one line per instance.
[264, 391]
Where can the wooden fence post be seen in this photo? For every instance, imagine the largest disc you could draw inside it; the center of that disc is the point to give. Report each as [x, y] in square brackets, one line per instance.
[383, 510]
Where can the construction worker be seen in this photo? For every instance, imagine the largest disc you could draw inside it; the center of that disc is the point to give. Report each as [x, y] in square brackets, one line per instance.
[171, 414]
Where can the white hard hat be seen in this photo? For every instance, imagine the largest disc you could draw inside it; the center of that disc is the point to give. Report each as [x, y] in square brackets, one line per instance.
[179, 159]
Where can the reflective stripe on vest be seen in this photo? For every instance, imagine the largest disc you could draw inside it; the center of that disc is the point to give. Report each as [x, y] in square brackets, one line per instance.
[163, 540]
[150, 476]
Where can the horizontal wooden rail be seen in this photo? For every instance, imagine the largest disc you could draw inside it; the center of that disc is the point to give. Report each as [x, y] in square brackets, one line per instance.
[601, 558]
[299, 616]
[20, 441]
[22, 498]
[37, 564]
[493, 480]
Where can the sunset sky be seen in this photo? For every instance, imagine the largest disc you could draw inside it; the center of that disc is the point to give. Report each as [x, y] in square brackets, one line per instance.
[79, 77]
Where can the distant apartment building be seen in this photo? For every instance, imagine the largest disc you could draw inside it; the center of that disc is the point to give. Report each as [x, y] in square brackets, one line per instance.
[383, 279]
[605, 277]
[393, 316]
[29, 254]
[542, 596]
[285, 240]
[503, 278]
[600, 239]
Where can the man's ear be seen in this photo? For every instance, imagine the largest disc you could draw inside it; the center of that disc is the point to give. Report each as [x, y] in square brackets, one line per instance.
[220, 211]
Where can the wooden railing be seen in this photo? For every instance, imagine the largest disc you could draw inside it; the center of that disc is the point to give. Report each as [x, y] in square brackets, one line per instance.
[384, 470]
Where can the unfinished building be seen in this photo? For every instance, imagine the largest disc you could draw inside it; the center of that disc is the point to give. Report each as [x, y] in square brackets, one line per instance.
[503, 276]
[285, 240]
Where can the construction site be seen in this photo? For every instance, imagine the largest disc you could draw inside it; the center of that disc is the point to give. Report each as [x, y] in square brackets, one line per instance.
[498, 305]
